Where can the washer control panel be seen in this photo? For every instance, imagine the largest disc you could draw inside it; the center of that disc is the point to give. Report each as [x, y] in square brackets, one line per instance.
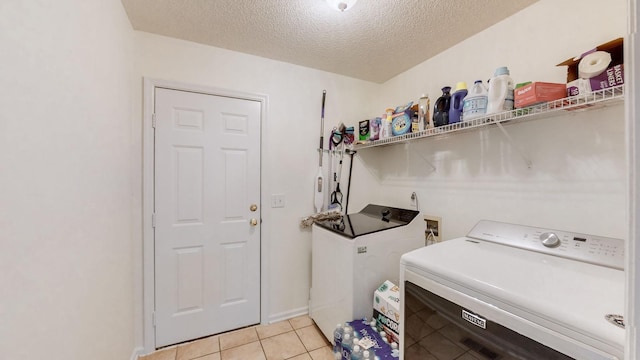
[597, 250]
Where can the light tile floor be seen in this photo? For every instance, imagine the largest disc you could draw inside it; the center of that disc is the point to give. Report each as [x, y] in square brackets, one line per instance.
[295, 339]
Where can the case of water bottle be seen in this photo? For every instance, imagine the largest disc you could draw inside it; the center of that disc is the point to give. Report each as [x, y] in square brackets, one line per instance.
[368, 338]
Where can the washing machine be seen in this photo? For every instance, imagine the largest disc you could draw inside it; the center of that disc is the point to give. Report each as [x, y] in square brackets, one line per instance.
[352, 256]
[508, 291]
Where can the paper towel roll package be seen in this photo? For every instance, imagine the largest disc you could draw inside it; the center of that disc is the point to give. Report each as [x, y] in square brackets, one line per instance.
[593, 64]
[611, 77]
[577, 85]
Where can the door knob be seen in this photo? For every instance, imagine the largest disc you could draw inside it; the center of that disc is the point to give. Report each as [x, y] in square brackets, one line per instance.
[253, 207]
[253, 222]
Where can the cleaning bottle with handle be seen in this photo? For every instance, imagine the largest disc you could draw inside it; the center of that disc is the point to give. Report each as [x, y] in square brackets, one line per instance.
[441, 108]
[475, 104]
[500, 96]
[455, 108]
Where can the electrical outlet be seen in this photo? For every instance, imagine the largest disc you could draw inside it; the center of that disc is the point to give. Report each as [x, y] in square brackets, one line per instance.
[433, 229]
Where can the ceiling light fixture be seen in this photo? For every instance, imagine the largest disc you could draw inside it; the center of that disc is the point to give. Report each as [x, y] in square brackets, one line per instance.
[341, 5]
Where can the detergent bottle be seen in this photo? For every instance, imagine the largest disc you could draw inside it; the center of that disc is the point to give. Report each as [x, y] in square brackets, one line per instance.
[475, 104]
[455, 108]
[441, 108]
[500, 96]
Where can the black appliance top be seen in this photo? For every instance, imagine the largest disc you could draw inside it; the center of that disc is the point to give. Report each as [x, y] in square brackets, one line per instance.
[371, 219]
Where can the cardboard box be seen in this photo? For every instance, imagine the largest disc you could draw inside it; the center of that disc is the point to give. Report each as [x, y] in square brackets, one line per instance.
[538, 92]
[613, 47]
[611, 77]
[386, 299]
[577, 86]
[386, 308]
[390, 327]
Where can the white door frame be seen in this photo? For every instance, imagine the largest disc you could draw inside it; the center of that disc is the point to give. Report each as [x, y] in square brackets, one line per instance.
[148, 282]
[632, 111]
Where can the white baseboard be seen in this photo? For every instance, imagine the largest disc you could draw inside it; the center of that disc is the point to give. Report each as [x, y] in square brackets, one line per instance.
[136, 352]
[286, 315]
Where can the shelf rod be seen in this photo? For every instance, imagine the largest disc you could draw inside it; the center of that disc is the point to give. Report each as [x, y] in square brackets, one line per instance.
[346, 151]
[512, 143]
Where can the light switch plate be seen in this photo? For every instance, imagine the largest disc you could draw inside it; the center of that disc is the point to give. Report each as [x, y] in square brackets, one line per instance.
[277, 200]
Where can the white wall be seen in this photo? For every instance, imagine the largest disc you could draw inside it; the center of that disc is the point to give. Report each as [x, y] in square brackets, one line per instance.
[65, 199]
[577, 181]
[290, 158]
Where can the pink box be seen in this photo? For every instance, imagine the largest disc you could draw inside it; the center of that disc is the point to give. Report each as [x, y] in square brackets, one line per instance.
[538, 92]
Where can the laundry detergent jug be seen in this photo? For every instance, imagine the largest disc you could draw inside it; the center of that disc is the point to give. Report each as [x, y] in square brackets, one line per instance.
[475, 104]
[455, 110]
[500, 97]
[441, 108]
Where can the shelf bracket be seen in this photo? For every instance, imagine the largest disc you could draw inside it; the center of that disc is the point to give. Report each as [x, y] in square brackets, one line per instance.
[423, 159]
[516, 146]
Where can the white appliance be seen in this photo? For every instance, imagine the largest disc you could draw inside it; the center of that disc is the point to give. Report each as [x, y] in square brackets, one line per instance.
[354, 255]
[508, 291]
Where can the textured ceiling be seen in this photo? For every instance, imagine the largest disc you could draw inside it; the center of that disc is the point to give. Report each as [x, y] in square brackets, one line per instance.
[375, 40]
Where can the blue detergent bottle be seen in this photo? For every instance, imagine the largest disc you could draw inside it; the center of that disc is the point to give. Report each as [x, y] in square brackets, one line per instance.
[457, 102]
[441, 108]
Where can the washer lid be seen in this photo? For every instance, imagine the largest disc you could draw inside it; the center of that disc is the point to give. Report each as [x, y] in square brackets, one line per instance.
[372, 218]
[571, 296]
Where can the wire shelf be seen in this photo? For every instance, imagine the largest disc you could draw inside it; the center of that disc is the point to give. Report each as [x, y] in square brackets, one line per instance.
[593, 100]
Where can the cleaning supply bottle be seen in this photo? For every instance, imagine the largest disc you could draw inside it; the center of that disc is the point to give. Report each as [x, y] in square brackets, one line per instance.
[424, 106]
[455, 109]
[375, 129]
[475, 104]
[386, 128]
[500, 96]
[441, 108]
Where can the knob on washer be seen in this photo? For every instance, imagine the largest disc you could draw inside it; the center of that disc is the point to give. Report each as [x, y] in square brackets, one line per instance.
[550, 240]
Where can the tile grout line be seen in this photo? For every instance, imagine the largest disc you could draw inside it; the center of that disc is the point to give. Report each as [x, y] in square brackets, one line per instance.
[261, 347]
[298, 336]
[303, 344]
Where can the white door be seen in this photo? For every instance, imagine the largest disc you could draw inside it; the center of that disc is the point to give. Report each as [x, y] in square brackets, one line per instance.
[207, 214]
